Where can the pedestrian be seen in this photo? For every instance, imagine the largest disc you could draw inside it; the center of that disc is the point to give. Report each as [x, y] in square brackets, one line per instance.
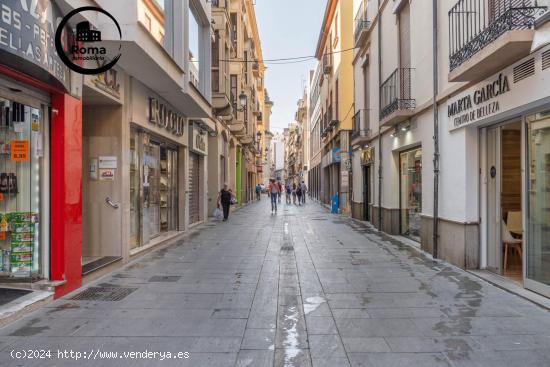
[274, 192]
[258, 191]
[299, 194]
[280, 190]
[294, 193]
[304, 191]
[224, 199]
[288, 192]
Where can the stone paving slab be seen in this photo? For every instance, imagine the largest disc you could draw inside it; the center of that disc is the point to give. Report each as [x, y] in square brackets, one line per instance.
[300, 288]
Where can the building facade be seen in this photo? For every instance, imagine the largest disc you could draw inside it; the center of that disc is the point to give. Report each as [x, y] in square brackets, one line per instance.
[449, 135]
[125, 160]
[334, 52]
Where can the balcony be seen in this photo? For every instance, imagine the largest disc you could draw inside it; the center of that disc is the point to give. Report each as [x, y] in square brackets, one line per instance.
[220, 3]
[362, 25]
[256, 69]
[396, 102]
[361, 127]
[327, 64]
[488, 35]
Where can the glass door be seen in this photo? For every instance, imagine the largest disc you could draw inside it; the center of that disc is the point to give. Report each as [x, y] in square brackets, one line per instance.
[411, 193]
[151, 189]
[538, 201]
[135, 189]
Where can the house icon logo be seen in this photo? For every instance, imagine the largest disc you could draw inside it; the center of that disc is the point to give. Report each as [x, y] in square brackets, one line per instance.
[84, 49]
[85, 34]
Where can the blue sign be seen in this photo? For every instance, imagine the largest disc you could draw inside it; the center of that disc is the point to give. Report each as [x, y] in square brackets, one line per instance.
[336, 155]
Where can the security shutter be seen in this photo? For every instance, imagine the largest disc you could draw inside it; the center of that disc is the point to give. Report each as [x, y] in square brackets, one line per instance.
[194, 186]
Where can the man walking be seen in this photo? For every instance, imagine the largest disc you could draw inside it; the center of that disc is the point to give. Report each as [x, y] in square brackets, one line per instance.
[280, 186]
[258, 191]
[224, 199]
[274, 193]
[304, 191]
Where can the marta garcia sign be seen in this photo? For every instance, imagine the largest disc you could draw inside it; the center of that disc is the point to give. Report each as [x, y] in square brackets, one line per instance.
[478, 104]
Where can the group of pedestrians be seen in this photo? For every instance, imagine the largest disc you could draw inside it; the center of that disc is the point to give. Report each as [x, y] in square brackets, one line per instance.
[295, 194]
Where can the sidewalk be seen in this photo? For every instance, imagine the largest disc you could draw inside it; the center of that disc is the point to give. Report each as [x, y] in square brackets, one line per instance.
[298, 288]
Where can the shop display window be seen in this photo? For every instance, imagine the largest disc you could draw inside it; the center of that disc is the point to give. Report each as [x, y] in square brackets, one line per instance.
[21, 152]
[411, 193]
[538, 246]
[153, 187]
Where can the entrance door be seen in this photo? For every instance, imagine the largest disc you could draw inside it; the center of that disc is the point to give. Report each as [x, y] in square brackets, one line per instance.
[366, 193]
[504, 200]
[410, 163]
[194, 187]
[494, 248]
[151, 191]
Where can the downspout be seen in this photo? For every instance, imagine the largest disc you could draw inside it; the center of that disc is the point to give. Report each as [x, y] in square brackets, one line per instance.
[379, 127]
[436, 133]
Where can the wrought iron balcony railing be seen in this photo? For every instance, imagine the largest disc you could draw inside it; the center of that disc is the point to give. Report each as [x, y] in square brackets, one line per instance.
[361, 22]
[473, 25]
[361, 124]
[219, 3]
[327, 63]
[395, 93]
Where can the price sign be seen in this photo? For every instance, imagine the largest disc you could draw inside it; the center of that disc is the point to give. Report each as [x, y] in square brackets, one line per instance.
[19, 150]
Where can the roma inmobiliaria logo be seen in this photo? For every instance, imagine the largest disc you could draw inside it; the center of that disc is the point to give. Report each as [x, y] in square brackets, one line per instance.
[83, 49]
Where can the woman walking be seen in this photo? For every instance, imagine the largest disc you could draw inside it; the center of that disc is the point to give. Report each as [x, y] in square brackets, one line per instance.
[294, 193]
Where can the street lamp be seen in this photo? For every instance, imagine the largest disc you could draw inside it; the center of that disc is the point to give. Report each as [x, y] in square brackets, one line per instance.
[242, 101]
[259, 136]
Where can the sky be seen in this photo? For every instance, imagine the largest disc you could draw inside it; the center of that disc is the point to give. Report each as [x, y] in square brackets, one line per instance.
[288, 28]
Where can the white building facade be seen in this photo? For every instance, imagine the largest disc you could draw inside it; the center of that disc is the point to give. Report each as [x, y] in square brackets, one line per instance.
[451, 127]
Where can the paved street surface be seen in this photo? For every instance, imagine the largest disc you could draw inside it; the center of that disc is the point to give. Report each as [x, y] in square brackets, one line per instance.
[300, 288]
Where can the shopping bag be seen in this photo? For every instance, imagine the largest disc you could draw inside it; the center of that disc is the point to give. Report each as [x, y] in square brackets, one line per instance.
[217, 214]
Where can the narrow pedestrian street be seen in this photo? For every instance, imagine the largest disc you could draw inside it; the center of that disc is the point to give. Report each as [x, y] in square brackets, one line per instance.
[299, 288]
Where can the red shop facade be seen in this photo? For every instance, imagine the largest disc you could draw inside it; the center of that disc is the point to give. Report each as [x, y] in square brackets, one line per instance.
[40, 153]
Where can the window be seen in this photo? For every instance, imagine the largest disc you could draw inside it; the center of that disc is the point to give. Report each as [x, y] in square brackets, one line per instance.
[234, 27]
[335, 30]
[148, 22]
[234, 94]
[195, 33]
[152, 14]
[336, 102]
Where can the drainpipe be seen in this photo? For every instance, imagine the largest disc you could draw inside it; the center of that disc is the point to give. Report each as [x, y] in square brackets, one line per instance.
[436, 133]
[379, 127]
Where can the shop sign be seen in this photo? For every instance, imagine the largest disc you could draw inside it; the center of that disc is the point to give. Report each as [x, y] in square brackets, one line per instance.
[27, 30]
[107, 174]
[19, 150]
[107, 162]
[481, 103]
[336, 155]
[107, 82]
[163, 117]
[367, 156]
[198, 140]
[345, 180]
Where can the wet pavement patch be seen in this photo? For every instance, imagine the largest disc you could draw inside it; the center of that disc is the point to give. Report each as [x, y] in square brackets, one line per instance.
[164, 279]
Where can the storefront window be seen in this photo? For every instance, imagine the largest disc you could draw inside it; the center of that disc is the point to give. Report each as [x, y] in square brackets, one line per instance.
[538, 247]
[153, 187]
[134, 189]
[21, 152]
[411, 193]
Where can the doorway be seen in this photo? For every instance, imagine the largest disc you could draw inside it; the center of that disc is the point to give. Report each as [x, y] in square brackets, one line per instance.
[504, 201]
[410, 165]
[366, 193]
